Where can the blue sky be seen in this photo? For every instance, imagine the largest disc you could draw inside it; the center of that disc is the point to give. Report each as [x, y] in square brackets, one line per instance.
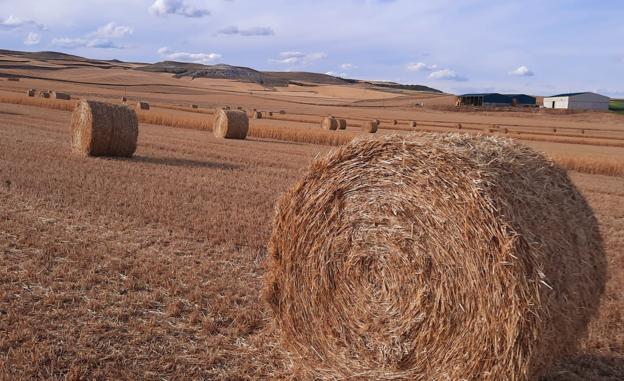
[539, 47]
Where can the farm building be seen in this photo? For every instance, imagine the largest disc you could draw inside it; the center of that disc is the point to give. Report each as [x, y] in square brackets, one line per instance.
[496, 100]
[522, 100]
[578, 101]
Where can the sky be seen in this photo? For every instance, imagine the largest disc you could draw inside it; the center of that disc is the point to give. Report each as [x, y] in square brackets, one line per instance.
[540, 47]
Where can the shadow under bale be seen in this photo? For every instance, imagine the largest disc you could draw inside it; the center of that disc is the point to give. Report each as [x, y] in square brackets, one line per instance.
[433, 257]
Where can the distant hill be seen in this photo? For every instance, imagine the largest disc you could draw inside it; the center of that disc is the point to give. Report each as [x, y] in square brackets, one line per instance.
[221, 71]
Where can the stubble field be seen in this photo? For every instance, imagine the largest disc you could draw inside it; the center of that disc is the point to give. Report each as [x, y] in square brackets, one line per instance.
[151, 267]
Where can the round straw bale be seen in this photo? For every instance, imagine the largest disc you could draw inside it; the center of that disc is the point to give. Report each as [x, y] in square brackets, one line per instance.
[413, 124]
[104, 129]
[395, 122]
[282, 112]
[124, 99]
[194, 106]
[256, 115]
[459, 126]
[44, 94]
[240, 108]
[505, 130]
[230, 124]
[143, 105]
[13, 79]
[377, 121]
[61, 96]
[433, 257]
[370, 126]
[270, 113]
[31, 92]
[329, 123]
[342, 124]
[554, 130]
[582, 131]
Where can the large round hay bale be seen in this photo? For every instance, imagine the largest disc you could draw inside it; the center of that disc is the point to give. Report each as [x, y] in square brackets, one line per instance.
[329, 123]
[44, 94]
[413, 124]
[230, 124]
[143, 105]
[256, 115]
[31, 92]
[104, 129]
[124, 99]
[433, 257]
[370, 126]
[194, 106]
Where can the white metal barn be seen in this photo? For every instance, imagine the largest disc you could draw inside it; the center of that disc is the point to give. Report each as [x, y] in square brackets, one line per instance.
[578, 101]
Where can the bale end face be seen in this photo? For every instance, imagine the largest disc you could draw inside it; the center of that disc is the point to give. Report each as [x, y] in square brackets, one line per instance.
[230, 124]
[413, 124]
[476, 251]
[31, 92]
[103, 129]
[143, 105]
[256, 115]
[329, 123]
[342, 124]
[370, 126]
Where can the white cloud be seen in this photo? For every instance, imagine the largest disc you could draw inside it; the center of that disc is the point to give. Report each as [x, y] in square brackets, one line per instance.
[176, 7]
[13, 23]
[96, 43]
[334, 74]
[446, 74]
[111, 30]
[522, 71]
[298, 58]
[348, 66]
[32, 39]
[201, 58]
[420, 66]
[254, 31]
[102, 38]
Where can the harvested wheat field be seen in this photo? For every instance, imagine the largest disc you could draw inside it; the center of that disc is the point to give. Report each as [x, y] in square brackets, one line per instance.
[174, 263]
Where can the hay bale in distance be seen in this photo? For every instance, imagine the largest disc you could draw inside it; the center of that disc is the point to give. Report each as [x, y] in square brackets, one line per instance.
[282, 112]
[194, 106]
[61, 96]
[370, 126]
[429, 257]
[270, 113]
[413, 124]
[13, 79]
[554, 130]
[342, 124]
[459, 126]
[124, 99]
[31, 92]
[104, 129]
[44, 94]
[256, 115]
[141, 105]
[329, 123]
[230, 124]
